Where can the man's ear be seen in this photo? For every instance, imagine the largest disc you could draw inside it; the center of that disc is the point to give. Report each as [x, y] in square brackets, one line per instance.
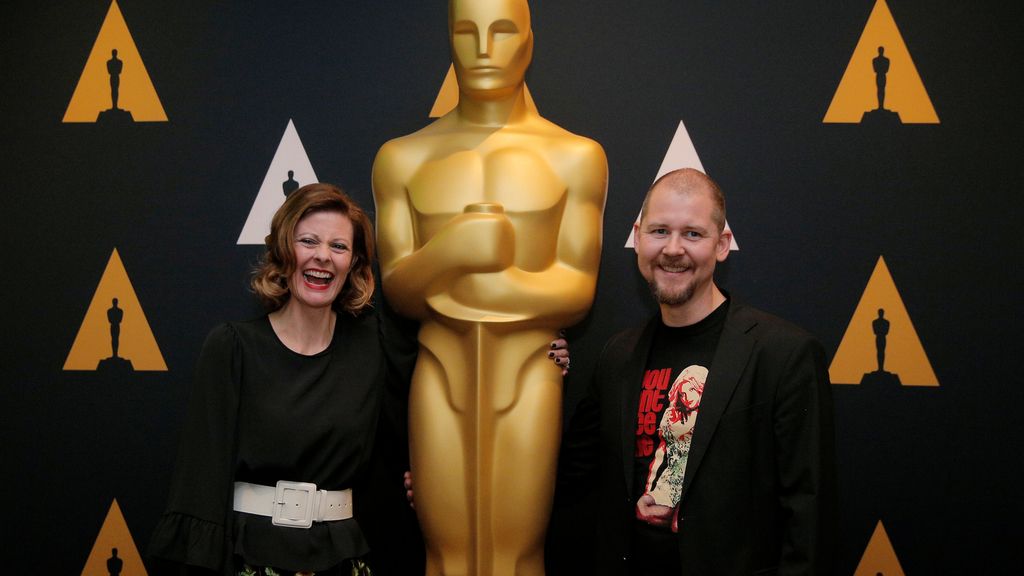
[723, 245]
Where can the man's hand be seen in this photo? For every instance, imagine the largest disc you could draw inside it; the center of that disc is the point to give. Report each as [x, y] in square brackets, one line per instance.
[655, 514]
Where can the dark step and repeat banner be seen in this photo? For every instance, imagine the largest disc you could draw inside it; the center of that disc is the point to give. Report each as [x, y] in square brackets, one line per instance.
[870, 152]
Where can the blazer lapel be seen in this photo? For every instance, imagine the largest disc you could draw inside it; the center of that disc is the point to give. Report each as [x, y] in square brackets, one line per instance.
[731, 357]
[630, 379]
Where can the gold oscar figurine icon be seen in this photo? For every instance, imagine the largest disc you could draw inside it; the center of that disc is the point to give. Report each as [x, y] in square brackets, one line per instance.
[489, 226]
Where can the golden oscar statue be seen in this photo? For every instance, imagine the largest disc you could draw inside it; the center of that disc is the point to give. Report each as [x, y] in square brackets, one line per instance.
[489, 226]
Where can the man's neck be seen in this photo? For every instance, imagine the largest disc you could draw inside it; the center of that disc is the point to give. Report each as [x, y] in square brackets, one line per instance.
[697, 308]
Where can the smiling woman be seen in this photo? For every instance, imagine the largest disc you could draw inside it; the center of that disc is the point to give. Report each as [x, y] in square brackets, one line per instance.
[284, 407]
[322, 259]
[291, 234]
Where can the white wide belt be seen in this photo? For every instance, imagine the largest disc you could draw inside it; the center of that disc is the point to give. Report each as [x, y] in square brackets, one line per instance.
[293, 504]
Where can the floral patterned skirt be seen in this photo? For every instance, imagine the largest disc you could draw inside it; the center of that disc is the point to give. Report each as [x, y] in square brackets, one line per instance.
[354, 567]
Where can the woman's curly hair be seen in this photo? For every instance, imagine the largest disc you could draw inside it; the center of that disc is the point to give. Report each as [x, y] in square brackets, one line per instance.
[270, 278]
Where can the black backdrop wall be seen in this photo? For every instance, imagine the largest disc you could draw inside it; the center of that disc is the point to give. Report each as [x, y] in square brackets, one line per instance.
[814, 205]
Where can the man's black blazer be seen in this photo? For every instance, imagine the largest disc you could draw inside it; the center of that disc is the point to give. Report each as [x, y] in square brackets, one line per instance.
[759, 493]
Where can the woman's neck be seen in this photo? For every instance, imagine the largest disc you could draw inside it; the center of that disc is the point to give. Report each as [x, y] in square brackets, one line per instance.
[303, 329]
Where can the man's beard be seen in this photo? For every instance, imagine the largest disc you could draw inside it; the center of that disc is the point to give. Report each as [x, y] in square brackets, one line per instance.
[682, 295]
[669, 298]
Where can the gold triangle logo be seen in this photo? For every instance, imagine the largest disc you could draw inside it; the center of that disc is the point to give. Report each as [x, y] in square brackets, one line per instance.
[448, 96]
[879, 558]
[880, 346]
[881, 83]
[114, 551]
[114, 85]
[115, 336]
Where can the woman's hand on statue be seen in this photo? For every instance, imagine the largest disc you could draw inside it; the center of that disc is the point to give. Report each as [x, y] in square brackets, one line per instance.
[559, 353]
[407, 482]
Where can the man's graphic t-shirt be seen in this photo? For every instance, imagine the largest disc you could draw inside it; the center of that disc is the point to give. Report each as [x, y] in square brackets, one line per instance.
[675, 431]
[667, 413]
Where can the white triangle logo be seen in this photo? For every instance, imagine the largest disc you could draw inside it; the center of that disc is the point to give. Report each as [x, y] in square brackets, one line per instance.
[681, 154]
[289, 169]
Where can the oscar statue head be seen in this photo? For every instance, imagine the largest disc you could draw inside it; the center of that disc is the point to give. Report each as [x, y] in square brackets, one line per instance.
[492, 45]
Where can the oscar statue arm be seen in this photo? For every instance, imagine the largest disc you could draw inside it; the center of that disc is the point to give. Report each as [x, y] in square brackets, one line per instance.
[562, 292]
[412, 270]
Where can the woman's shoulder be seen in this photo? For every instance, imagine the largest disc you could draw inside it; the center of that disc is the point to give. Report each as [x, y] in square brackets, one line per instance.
[231, 334]
[363, 323]
[257, 324]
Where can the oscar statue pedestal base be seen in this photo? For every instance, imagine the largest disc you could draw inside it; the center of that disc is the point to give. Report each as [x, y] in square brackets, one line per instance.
[881, 117]
[881, 378]
[115, 117]
[115, 365]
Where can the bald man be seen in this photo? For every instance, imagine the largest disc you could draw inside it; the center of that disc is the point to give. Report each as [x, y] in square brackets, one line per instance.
[709, 429]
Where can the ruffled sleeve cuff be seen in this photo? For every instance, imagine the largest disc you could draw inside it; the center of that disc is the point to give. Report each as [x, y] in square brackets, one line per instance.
[188, 540]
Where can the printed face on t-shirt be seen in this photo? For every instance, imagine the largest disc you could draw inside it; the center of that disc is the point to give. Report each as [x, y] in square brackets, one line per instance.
[668, 444]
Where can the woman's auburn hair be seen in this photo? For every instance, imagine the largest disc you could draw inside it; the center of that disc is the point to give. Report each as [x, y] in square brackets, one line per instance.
[270, 278]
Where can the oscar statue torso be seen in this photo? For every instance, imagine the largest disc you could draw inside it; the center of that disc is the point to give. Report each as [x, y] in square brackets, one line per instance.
[491, 238]
[489, 233]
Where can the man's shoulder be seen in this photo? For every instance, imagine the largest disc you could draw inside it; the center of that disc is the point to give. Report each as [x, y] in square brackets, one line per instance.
[770, 330]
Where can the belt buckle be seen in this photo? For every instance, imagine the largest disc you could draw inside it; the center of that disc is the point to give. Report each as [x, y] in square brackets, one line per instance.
[293, 504]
